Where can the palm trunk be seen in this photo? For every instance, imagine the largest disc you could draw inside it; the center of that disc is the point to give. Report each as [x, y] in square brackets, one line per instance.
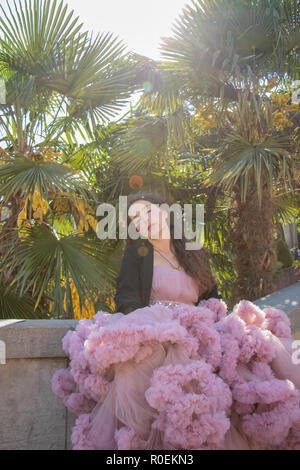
[251, 233]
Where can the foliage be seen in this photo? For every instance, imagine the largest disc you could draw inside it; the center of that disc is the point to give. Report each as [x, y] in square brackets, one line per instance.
[283, 253]
[58, 81]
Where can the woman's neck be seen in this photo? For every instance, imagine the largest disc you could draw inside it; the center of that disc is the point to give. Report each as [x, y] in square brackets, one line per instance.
[163, 245]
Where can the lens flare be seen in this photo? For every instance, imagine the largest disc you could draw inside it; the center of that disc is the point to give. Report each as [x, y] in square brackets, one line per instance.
[147, 87]
[143, 250]
[136, 182]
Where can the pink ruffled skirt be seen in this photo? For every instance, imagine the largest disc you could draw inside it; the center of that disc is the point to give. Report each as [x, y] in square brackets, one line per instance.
[183, 377]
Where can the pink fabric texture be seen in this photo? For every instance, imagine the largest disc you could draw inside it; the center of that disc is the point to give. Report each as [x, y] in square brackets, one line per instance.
[182, 376]
[181, 287]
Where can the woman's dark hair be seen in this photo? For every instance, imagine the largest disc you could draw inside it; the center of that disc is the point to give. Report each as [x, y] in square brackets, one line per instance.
[194, 262]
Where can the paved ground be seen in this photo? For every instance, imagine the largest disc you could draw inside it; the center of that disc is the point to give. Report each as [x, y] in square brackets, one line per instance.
[288, 300]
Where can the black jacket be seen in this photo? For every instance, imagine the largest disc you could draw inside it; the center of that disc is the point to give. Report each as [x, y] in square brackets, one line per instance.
[134, 281]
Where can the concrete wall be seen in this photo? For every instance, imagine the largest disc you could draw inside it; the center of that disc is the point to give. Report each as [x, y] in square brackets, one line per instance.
[31, 416]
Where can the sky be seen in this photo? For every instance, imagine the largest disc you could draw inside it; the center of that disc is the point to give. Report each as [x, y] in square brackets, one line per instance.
[140, 24]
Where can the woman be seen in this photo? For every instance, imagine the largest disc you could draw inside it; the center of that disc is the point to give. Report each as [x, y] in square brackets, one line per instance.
[170, 369]
[134, 282]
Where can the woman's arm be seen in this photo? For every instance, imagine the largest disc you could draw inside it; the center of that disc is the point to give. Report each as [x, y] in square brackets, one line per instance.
[128, 296]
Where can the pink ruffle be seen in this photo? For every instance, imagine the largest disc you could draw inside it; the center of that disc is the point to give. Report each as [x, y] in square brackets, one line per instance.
[193, 403]
[173, 378]
[79, 431]
[127, 439]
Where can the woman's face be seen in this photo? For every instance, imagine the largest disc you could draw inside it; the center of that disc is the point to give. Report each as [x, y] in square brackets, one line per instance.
[149, 219]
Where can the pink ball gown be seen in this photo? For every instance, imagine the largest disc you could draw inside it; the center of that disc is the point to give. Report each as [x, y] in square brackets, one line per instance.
[173, 375]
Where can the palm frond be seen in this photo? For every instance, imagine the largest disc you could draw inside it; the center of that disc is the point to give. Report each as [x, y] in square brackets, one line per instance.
[13, 305]
[20, 175]
[269, 160]
[40, 257]
[43, 44]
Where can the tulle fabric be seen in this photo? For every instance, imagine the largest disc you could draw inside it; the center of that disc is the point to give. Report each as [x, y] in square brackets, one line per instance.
[183, 377]
[132, 416]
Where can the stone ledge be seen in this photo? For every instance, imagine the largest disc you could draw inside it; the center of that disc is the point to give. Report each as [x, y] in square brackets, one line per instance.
[43, 338]
[34, 338]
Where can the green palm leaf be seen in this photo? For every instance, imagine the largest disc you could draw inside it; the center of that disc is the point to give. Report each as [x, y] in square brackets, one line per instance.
[19, 175]
[40, 260]
[42, 43]
[268, 160]
[13, 305]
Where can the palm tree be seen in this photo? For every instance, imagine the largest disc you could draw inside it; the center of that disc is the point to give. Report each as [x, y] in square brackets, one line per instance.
[58, 81]
[222, 54]
[249, 164]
